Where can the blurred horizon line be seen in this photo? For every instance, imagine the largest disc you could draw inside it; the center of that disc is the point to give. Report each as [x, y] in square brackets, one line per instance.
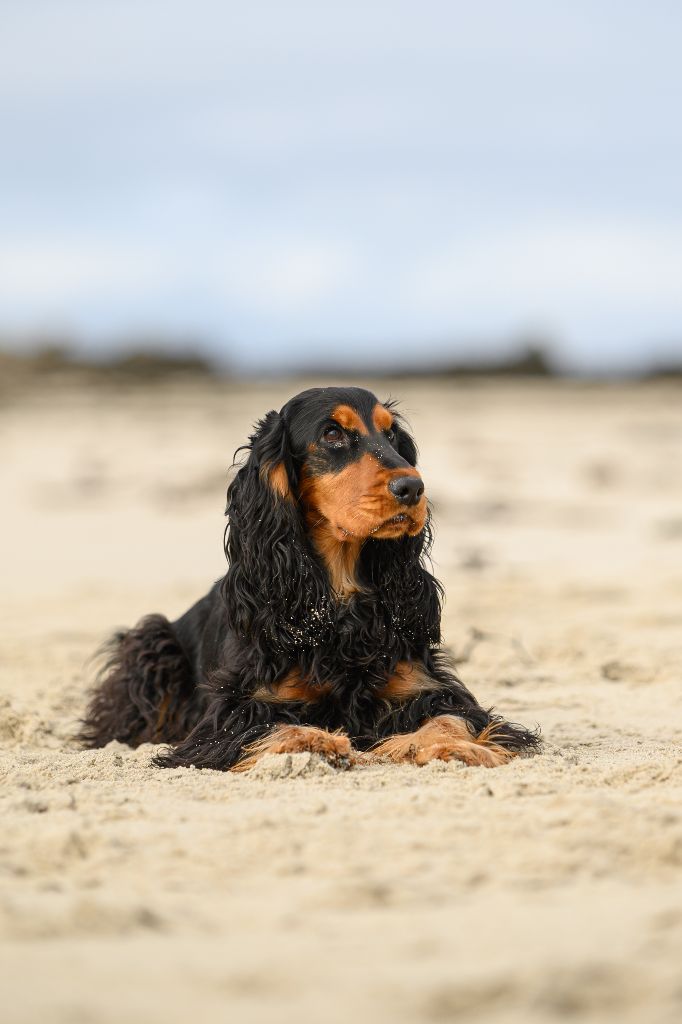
[149, 358]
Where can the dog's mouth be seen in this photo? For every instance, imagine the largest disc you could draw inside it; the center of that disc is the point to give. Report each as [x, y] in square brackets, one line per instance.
[401, 519]
[397, 524]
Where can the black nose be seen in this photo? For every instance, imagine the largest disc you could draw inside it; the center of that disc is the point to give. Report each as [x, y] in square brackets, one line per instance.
[407, 489]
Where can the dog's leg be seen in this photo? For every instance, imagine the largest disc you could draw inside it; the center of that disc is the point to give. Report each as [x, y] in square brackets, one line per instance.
[429, 714]
[445, 738]
[235, 736]
[335, 747]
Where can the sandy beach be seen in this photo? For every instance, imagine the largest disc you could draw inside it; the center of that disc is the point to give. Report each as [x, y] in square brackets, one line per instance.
[545, 890]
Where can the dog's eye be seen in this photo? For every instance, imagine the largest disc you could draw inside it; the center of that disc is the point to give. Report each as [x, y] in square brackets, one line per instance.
[390, 434]
[333, 434]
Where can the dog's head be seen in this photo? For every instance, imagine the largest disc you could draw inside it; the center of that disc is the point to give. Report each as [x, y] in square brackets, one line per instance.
[349, 462]
[329, 484]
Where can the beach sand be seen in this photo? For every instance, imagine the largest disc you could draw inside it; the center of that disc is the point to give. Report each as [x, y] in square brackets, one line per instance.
[548, 889]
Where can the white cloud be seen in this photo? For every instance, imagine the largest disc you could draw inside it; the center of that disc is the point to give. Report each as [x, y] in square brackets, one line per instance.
[549, 269]
[280, 275]
[45, 270]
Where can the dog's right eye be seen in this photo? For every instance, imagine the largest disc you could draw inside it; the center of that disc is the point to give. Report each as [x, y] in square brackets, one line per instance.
[333, 434]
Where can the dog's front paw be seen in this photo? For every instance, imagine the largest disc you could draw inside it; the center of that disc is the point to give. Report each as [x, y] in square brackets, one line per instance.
[444, 738]
[472, 754]
[334, 747]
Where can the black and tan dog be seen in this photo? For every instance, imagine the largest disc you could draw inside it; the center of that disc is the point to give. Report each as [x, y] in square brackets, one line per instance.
[324, 634]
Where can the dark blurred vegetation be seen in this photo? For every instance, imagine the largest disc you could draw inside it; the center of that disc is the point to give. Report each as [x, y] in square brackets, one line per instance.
[663, 371]
[58, 363]
[530, 361]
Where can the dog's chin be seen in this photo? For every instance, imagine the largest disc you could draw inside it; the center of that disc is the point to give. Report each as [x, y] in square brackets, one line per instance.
[399, 525]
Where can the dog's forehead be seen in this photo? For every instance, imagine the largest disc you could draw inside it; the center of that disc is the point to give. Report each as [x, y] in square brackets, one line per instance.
[354, 408]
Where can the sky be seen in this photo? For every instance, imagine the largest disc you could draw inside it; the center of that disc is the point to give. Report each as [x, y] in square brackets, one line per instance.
[358, 184]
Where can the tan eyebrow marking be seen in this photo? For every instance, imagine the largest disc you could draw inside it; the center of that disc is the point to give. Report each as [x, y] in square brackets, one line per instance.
[349, 419]
[381, 417]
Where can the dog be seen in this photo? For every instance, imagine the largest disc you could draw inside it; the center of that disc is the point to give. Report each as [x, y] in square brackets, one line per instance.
[324, 634]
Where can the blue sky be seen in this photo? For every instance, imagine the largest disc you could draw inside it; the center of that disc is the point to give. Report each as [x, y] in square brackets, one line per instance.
[344, 182]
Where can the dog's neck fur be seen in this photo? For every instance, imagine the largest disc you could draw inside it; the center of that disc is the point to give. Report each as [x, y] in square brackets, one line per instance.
[340, 557]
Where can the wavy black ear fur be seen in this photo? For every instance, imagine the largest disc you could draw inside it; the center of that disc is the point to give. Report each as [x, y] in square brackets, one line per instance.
[407, 446]
[275, 591]
[410, 593]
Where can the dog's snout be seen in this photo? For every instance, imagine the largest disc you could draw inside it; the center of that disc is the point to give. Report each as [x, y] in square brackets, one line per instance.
[407, 489]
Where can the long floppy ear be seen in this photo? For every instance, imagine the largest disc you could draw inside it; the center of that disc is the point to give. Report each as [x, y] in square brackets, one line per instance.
[270, 453]
[407, 447]
[275, 594]
[410, 594]
[406, 444]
